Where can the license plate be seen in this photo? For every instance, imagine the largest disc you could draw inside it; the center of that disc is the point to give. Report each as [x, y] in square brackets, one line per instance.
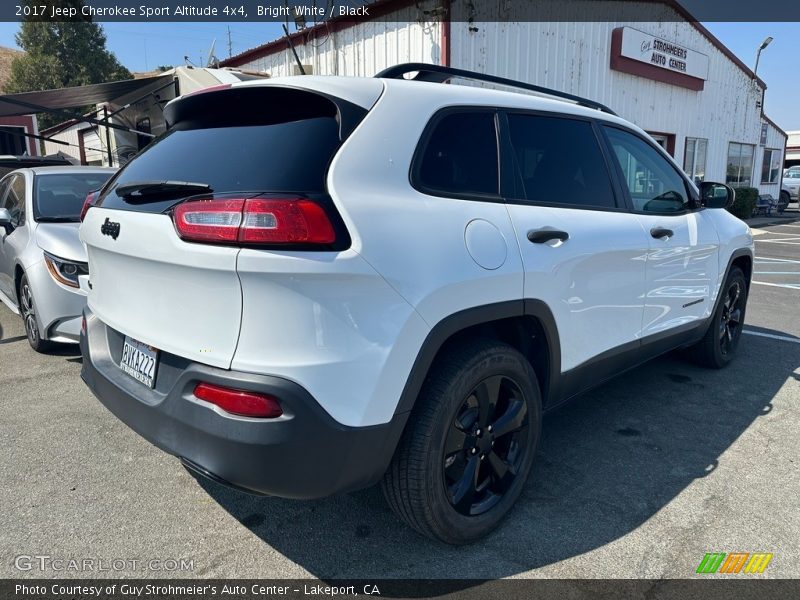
[139, 361]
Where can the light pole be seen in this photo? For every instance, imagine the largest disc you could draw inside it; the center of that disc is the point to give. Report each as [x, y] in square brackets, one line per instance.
[767, 41]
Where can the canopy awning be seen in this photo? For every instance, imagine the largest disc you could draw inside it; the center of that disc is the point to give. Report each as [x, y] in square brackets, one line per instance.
[75, 97]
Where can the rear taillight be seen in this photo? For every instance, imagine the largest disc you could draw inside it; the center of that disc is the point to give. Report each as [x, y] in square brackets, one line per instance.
[256, 221]
[88, 203]
[239, 402]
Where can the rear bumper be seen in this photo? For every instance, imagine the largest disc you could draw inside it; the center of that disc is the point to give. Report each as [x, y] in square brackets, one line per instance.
[302, 454]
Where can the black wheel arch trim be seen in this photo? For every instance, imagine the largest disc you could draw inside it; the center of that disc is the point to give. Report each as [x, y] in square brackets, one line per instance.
[462, 320]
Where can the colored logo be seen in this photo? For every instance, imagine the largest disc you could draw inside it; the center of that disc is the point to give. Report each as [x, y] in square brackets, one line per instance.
[735, 562]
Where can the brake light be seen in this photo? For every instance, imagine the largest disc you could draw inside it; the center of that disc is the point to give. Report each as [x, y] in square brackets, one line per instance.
[239, 402]
[88, 203]
[254, 221]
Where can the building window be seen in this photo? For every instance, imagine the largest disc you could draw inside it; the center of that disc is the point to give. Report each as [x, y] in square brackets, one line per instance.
[12, 140]
[771, 167]
[739, 172]
[694, 159]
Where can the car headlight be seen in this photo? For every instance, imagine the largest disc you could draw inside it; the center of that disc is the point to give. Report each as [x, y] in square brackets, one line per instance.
[65, 271]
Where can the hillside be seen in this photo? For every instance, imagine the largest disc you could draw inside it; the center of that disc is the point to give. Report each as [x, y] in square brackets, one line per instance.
[6, 56]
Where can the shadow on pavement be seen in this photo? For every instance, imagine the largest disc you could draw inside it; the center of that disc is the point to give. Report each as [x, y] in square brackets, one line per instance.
[607, 463]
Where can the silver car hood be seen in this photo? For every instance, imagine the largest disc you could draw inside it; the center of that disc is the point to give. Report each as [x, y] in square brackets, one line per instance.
[61, 240]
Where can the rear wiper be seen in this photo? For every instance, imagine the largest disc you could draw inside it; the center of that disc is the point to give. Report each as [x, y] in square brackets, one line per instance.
[139, 189]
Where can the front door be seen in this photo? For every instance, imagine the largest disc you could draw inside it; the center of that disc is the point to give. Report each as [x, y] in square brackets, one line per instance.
[12, 198]
[683, 258]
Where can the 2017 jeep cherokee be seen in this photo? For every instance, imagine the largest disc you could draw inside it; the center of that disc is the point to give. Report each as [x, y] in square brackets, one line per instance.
[313, 284]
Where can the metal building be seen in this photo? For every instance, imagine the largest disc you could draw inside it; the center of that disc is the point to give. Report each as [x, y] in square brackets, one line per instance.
[668, 74]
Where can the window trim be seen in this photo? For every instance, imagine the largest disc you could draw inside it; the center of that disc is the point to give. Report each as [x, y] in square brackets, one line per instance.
[509, 176]
[778, 177]
[422, 144]
[693, 205]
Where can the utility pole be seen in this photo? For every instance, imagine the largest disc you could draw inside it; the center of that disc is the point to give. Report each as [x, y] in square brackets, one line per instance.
[230, 43]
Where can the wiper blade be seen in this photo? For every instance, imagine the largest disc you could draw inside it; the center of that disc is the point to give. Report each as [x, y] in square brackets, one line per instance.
[139, 189]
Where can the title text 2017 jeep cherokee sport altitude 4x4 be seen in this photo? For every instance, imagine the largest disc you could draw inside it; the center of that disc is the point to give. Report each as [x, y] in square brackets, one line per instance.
[313, 284]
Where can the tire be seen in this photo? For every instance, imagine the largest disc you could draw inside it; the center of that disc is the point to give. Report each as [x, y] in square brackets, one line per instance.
[786, 199]
[459, 494]
[27, 309]
[718, 347]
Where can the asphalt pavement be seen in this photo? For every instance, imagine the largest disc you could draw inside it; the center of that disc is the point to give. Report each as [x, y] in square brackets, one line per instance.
[639, 478]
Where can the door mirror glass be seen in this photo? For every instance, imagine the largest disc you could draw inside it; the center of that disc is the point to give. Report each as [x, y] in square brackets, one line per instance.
[716, 195]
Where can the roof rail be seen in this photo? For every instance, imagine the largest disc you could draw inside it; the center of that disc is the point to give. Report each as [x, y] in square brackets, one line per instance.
[440, 74]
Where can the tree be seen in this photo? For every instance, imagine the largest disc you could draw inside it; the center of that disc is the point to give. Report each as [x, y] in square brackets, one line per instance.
[62, 54]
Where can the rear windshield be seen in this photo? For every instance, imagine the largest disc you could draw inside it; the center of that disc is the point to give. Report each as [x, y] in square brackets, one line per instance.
[61, 197]
[278, 146]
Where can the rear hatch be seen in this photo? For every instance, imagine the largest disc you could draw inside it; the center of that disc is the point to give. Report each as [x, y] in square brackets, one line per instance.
[238, 167]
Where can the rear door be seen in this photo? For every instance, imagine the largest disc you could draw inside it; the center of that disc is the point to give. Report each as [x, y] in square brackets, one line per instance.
[683, 257]
[181, 296]
[583, 252]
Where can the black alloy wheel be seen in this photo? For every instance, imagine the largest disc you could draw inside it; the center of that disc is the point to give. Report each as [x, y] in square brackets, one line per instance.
[730, 325]
[718, 346]
[485, 445]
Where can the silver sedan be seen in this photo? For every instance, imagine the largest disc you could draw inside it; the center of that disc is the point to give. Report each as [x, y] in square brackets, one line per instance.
[43, 270]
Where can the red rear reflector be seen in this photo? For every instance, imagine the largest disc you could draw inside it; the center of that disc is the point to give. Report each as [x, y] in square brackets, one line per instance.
[87, 204]
[239, 402]
[254, 221]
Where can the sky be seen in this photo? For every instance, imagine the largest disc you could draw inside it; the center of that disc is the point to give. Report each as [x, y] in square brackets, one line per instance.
[144, 46]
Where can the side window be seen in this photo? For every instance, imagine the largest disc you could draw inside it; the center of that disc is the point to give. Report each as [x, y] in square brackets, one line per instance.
[15, 200]
[460, 156]
[654, 185]
[558, 160]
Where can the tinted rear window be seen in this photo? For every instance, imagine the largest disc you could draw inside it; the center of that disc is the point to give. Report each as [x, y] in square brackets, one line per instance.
[61, 196]
[282, 143]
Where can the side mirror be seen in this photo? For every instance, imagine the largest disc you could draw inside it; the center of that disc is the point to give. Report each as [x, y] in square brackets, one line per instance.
[5, 220]
[716, 195]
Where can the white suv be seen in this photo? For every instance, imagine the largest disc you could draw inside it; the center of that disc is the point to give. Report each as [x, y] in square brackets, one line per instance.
[313, 284]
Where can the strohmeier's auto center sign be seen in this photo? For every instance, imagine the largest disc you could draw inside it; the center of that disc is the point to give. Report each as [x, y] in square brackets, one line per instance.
[643, 47]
